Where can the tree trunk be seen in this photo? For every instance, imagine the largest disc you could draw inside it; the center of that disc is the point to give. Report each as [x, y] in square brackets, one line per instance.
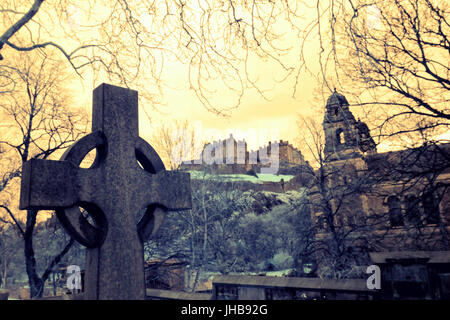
[193, 250]
[194, 285]
[54, 284]
[36, 283]
[2, 272]
[5, 273]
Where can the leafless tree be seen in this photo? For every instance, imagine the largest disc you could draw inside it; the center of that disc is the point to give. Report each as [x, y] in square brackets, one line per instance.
[217, 41]
[8, 246]
[204, 236]
[176, 142]
[214, 215]
[38, 122]
[391, 58]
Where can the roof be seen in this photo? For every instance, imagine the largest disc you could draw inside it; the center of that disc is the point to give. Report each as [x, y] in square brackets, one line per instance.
[433, 256]
[362, 126]
[413, 161]
[294, 282]
[337, 99]
[165, 262]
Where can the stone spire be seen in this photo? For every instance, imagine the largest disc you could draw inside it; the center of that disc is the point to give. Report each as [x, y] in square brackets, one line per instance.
[344, 136]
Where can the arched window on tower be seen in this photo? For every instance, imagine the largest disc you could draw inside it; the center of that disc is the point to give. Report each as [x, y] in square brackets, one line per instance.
[321, 222]
[430, 208]
[340, 138]
[395, 211]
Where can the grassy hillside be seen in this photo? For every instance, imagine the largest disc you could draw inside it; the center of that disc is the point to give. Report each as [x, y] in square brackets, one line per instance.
[263, 177]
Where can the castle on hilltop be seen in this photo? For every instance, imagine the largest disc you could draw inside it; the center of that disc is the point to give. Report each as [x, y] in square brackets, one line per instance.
[230, 156]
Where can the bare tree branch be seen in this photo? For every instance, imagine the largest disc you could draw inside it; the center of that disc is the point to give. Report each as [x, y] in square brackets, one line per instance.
[13, 218]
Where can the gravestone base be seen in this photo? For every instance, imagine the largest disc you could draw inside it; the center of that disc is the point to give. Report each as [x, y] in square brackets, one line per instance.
[4, 294]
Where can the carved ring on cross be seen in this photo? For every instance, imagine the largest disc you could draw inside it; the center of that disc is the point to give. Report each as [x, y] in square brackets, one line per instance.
[89, 226]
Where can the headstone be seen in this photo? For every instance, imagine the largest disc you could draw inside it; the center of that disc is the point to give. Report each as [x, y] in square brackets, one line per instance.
[127, 177]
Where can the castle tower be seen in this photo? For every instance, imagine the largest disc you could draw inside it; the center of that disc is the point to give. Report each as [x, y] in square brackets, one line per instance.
[345, 137]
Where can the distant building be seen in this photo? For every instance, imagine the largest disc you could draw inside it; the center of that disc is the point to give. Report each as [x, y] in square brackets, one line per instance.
[165, 274]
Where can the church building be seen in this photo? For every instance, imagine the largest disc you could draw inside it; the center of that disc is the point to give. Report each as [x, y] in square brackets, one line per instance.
[363, 201]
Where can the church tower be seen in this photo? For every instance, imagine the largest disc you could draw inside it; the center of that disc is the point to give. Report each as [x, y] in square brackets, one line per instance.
[345, 137]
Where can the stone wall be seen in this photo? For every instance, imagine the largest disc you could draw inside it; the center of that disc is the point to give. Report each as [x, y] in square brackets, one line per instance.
[414, 274]
[236, 287]
[159, 294]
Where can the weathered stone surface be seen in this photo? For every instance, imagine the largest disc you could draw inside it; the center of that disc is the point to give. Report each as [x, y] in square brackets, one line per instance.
[159, 294]
[113, 191]
[414, 275]
[4, 294]
[244, 287]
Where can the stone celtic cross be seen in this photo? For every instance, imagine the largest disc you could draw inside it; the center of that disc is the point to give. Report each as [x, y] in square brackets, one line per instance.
[126, 178]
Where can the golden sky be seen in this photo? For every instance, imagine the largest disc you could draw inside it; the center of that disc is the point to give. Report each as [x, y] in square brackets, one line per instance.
[256, 119]
[276, 116]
